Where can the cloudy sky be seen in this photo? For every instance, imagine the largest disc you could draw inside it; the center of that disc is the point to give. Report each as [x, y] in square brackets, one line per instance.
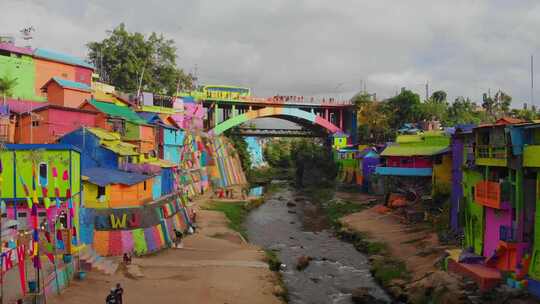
[315, 47]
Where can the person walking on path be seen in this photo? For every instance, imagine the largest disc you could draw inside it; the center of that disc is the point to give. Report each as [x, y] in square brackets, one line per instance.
[111, 298]
[178, 241]
[119, 292]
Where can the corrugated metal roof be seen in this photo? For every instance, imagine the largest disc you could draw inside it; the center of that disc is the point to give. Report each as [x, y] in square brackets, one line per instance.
[120, 148]
[162, 163]
[103, 134]
[104, 176]
[424, 144]
[22, 106]
[118, 111]
[10, 47]
[111, 141]
[56, 56]
[64, 83]
[40, 146]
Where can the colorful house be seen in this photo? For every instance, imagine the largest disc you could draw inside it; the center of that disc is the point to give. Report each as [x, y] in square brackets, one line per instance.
[33, 68]
[170, 137]
[339, 140]
[125, 121]
[66, 93]
[48, 123]
[17, 62]
[462, 157]
[350, 169]
[50, 64]
[525, 144]
[369, 160]
[47, 176]
[424, 155]
[100, 148]
[498, 216]
[110, 188]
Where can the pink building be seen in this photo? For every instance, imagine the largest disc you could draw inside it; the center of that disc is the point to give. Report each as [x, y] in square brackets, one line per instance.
[46, 124]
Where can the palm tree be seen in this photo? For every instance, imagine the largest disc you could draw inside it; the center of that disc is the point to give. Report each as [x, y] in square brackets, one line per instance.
[6, 85]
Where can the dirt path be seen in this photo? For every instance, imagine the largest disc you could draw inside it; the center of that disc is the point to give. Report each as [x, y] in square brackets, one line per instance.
[416, 247]
[215, 266]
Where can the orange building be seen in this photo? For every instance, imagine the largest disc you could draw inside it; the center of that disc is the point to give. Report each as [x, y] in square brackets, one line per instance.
[49, 64]
[66, 93]
[111, 188]
[46, 124]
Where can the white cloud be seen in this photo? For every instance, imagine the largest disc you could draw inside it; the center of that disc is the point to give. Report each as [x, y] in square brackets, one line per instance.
[312, 47]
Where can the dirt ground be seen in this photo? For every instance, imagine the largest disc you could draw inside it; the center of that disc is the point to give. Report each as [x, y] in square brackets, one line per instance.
[215, 266]
[417, 247]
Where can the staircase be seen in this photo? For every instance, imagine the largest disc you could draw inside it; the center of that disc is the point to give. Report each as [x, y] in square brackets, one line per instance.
[89, 260]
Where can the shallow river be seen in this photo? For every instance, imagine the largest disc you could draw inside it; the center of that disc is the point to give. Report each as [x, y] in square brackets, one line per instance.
[299, 228]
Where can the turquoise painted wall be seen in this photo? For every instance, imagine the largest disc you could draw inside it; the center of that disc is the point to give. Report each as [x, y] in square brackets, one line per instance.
[173, 137]
[24, 69]
[156, 188]
[171, 153]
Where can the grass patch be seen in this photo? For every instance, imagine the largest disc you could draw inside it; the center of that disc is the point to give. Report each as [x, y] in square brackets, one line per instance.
[338, 209]
[376, 248]
[387, 269]
[235, 212]
[274, 263]
[272, 259]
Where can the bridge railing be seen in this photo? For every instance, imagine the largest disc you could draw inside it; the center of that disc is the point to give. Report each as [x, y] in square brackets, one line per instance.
[298, 100]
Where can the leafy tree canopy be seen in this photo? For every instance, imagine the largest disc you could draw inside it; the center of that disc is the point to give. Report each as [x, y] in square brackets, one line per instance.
[121, 57]
[404, 108]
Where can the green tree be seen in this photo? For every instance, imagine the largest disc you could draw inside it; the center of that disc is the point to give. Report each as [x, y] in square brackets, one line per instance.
[434, 109]
[464, 111]
[7, 85]
[122, 57]
[403, 108]
[313, 163]
[439, 96]
[277, 153]
[241, 147]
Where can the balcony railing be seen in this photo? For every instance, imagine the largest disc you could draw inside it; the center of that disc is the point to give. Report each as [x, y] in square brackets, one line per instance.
[492, 194]
[491, 155]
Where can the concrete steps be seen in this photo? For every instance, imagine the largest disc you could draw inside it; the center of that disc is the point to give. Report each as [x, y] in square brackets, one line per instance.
[92, 260]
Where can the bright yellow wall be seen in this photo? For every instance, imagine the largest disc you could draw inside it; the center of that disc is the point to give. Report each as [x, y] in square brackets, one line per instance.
[442, 175]
[90, 196]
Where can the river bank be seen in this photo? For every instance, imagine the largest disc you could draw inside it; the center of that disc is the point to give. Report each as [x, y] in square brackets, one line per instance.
[408, 259]
[201, 272]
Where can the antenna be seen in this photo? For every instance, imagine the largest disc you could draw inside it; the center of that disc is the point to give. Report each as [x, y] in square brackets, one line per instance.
[140, 84]
[27, 35]
[532, 80]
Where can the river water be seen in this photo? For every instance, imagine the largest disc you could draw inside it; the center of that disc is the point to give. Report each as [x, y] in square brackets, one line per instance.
[296, 227]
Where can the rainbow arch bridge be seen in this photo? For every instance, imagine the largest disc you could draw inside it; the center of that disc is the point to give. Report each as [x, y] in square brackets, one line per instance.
[316, 118]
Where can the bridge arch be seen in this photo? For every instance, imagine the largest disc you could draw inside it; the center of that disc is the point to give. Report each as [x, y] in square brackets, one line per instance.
[274, 111]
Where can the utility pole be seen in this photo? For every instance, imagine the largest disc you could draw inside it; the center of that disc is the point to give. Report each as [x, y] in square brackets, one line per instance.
[427, 90]
[532, 80]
